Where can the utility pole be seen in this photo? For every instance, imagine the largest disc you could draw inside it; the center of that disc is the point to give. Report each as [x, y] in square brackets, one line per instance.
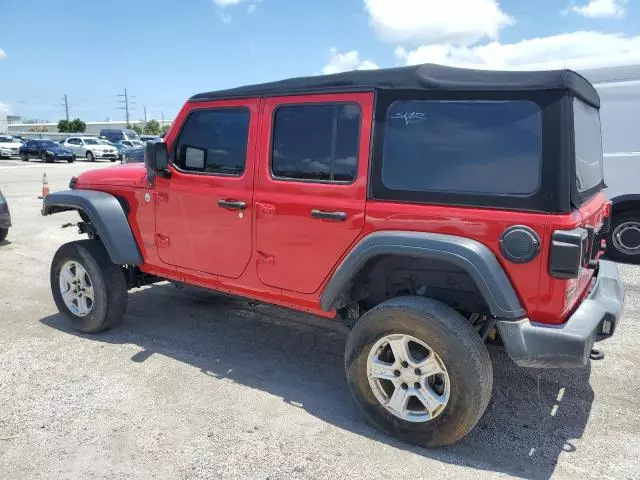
[162, 117]
[145, 115]
[126, 102]
[66, 106]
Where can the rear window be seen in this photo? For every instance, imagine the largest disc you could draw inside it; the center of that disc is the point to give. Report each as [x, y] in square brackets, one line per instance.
[316, 142]
[588, 146]
[477, 147]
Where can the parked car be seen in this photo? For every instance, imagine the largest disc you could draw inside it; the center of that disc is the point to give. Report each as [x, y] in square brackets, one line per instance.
[134, 155]
[116, 134]
[131, 143]
[117, 146]
[149, 138]
[46, 150]
[9, 147]
[5, 217]
[474, 210]
[91, 148]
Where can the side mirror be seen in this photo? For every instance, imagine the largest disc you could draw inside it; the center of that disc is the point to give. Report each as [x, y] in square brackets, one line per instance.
[156, 160]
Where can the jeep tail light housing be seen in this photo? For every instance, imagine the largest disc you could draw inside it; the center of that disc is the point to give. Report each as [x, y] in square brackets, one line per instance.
[568, 252]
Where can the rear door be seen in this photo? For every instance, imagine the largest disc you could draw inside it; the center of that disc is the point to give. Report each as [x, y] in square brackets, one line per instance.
[311, 191]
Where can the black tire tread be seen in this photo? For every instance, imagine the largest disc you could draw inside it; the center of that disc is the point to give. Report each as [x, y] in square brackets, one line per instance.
[469, 344]
[94, 257]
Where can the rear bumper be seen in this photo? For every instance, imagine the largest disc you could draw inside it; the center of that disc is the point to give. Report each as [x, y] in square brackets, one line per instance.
[532, 344]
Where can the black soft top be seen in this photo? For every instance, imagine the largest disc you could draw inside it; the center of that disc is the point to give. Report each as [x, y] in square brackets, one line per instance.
[420, 77]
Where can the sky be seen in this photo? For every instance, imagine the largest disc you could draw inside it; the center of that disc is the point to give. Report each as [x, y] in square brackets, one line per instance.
[163, 51]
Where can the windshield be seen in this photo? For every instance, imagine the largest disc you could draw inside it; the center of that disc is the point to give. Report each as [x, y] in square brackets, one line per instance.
[91, 141]
[6, 140]
[588, 146]
[48, 144]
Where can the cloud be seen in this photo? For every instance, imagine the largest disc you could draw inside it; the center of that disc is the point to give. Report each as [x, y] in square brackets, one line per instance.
[3, 54]
[343, 62]
[566, 46]
[416, 22]
[226, 3]
[600, 9]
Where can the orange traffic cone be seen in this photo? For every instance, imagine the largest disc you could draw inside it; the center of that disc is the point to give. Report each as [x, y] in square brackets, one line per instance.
[45, 186]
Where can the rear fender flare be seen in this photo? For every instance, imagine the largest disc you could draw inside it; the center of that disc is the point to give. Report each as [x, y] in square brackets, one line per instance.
[470, 255]
[106, 215]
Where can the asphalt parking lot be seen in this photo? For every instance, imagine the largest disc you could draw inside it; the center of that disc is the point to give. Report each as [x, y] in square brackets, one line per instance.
[196, 385]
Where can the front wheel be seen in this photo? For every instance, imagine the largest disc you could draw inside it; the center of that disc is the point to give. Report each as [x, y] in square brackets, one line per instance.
[24, 157]
[87, 288]
[623, 244]
[3, 233]
[419, 371]
[90, 157]
[44, 158]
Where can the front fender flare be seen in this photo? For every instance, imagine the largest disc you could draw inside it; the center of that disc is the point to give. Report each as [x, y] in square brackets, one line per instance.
[106, 215]
[470, 255]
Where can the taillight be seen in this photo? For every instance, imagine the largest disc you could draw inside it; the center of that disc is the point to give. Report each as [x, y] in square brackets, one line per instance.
[568, 252]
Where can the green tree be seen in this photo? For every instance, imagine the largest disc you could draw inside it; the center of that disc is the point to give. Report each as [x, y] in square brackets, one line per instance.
[136, 128]
[152, 127]
[77, 126]
[164, 129]
[63, 126]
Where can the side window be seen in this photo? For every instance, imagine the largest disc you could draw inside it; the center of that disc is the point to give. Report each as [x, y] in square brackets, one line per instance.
[316, 142]
[214, 141]
[477, 147]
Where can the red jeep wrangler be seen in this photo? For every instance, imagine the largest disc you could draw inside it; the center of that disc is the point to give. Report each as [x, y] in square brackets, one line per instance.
[428, 208]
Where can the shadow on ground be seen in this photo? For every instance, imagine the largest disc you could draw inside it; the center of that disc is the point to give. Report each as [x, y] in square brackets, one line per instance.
[533, 417]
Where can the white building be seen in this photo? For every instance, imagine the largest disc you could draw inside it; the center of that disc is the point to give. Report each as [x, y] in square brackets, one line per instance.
[51, 129]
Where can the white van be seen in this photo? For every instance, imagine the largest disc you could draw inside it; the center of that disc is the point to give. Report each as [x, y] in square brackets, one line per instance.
[617, 80]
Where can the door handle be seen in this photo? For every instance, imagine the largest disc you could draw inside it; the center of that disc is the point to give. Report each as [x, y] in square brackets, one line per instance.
[336, 216]
[232, 204]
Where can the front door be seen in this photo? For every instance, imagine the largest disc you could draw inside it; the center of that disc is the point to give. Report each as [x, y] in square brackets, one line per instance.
[204, 209]
[311, 192]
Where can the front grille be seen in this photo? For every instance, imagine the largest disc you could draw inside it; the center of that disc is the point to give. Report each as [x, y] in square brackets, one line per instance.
[15, 151]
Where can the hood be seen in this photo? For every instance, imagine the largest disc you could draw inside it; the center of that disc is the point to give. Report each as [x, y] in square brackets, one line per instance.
[101, 147]
[126, 175]
[10, 145]
[58, 149]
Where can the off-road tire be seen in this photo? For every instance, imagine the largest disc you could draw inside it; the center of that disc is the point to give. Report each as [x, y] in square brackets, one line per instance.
[3, 233]
[612, 251]
[109, 285]
[90, 157]
[459, 346]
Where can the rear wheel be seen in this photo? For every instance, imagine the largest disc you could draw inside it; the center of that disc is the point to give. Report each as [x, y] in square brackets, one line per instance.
[3, 233]
[419, 371]
[90, 157]
[87, 288]
[623, 244]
